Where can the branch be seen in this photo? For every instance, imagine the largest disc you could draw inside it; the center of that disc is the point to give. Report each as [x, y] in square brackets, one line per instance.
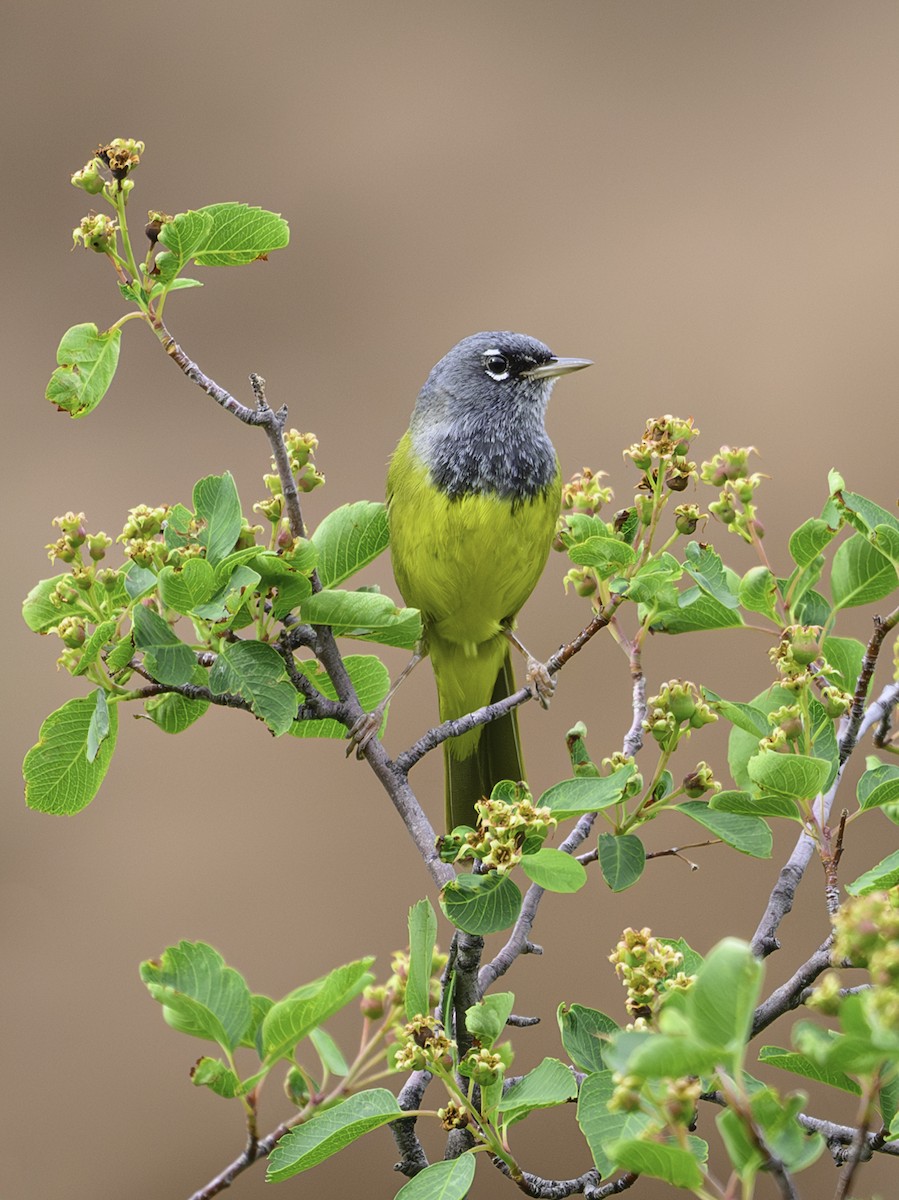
[790, 995]
[764, 941]
[491, 712]
[410, 1097]
[549, 1189]
[882, 626]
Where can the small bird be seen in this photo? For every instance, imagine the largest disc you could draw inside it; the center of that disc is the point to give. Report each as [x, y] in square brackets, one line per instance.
[473, 496]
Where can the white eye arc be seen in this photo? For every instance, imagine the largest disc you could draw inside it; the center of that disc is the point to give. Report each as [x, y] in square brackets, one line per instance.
[496, 365]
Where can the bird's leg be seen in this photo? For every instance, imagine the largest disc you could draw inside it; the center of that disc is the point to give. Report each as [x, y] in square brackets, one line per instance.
[361, 733]
[540, 683]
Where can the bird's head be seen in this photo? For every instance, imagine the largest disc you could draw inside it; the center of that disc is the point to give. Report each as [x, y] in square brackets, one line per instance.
[497, 370]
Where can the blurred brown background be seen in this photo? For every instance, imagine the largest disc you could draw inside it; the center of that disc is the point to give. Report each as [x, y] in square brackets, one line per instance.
[700, 196]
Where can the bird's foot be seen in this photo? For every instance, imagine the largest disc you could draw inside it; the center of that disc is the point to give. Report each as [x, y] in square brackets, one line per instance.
[363, 730]
[540, 683]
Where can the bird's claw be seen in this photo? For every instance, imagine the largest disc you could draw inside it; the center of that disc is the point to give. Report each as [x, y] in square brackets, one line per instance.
[362, 731]
[540, 683]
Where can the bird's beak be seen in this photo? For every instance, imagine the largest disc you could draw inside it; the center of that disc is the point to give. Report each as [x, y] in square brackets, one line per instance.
[557, 366]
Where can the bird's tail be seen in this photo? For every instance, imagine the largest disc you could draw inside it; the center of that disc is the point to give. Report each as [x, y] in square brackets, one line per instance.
[475, 762]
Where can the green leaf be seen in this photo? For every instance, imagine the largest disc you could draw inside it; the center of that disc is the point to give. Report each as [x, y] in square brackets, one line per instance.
[810, 608]
[348, 539]
[622, 858]
[747, 833]
[200, 995]
[755, 806]
[215, 1075]
[582, 1029]
[330, 1131]
[758, 592]
[98, 730]
[368, 676]
[218, 505]
[799, 776]
[368, 615]
[878, 786]
[240, 234]
[549, 1084]
[139, 581]
[600, 1127]
[486, 1020]
[664, 1056]
[660, 1160]
[860, 574]
[59, 778]
[293, 1018]
[807, 542]
[574, 797]
[705, 566]
[693, 960]
[256, 672]
[481, 903]
[605, 555]
[744, 716]
[554, 870]
[38, 612]
[723, 997]
[183, 588]
[696, 610]
[883, 875]
[87, 363]
[845, 655]
[176, 285]
[173, 713]
[183, 235]
[166, 657]
[886, 539]
[95, 644]
[862, 513]
[799, 1064]
[653, 583]
[234, 594]
[422, 939]
[449, 1180]
[329, 1053]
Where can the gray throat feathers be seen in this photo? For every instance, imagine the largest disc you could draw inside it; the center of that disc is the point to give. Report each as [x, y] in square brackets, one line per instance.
[496, 450]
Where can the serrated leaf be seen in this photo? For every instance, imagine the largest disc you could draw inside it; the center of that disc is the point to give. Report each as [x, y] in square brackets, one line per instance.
[422, 939]
[704, 565]
[582, 1029]
[549, 1084]
[660, 1160]
[98, 729]
[291, 1019]
[799, 1064]
[256, 672]
[584, 794]
[755, 806]
[370, 679]
[166, 657]
[139, 581]
[860, 574]
[217, 504]
[87, 363]
[59, 778]
[554, 871]
[240, 233]
[330, 1131]
[201, 995]
[799, 776]
[724, 994]
[744, 716]
[481, 904]
[183, 588]
[368, 615]
[807, 542]
[329, 1053]
[622, 858]
[810, 608]
[215, 1075]
[600, 1127]
[861, 512]
[448, 1180]
[696, 611]
[845, 655]
[348, 539]
[38, 613]
[173, 713]
[878, 787]
[885, 538]
[486, 1020]
[606, 555]
[95, 644]
[183, 235]
[758, 592]
[748, 834]
[883, 875]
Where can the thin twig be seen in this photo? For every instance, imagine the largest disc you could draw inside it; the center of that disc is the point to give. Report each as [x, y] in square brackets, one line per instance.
[790, 994]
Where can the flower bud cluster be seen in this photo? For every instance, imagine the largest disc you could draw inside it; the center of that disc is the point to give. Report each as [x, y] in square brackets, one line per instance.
[662, 453]
[482, 1066]
[121, 155]
[735, 506]
[96, 232]
[584, 493]
[678, 709]
[504, 826]
[867, 935]
[616, 762]
[426, 1044]
[140, 536]
[454, 1116]
[647, 968]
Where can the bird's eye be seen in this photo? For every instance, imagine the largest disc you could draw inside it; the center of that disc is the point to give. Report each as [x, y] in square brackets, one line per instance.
[496, 366]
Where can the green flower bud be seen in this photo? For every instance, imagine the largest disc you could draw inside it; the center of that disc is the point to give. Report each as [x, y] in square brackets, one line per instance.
[97, 545]
[72, 631]
[96, 232]
[686, 518]
[89, 178]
